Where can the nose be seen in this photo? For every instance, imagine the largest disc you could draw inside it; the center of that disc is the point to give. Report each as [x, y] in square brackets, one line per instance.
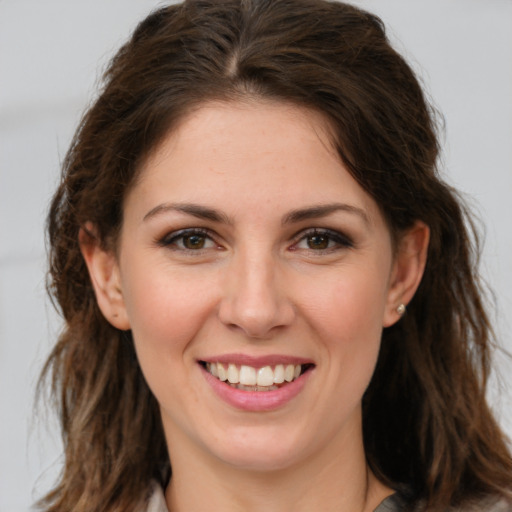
[255, 298]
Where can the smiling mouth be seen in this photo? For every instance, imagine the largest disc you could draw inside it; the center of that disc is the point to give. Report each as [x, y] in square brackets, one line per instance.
[249, 378]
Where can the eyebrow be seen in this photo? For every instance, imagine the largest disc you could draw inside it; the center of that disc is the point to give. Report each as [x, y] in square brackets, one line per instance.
[322, 210]
[299, 215]
[201, 212]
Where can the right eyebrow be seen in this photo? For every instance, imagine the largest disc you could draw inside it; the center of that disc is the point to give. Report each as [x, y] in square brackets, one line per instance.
[196, 210]
[322, 210]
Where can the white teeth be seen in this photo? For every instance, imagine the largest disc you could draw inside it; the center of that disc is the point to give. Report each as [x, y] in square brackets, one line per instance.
[265, 376]
[233, 374]
[212, 368]
[221, 372]
[289, 371]
[279, 374]
[249, 378]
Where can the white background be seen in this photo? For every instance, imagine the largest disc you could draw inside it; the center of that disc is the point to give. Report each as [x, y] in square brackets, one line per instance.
[51, 55]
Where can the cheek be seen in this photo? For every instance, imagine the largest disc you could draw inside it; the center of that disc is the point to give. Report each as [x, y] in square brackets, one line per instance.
[346, 316]
[166, 309]
[350, 304]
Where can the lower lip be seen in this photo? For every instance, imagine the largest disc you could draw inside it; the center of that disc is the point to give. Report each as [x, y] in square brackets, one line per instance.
[256, 401]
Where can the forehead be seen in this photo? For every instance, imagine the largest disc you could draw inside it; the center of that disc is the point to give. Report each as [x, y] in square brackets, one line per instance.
[252, 153]
[237, 127]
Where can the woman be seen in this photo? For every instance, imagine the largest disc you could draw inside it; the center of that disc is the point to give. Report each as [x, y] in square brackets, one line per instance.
[270, 296]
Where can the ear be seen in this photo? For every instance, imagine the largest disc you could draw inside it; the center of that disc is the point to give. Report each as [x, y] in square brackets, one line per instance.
[105, 277]
[408, 268]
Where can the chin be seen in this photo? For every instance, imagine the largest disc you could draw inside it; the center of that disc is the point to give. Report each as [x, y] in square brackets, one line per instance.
[254, 449]
[259, 461]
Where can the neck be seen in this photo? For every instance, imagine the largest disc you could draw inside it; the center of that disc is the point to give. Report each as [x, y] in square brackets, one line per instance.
[337, 480]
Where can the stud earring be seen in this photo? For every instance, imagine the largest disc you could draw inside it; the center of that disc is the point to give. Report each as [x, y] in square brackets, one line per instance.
[401, 309]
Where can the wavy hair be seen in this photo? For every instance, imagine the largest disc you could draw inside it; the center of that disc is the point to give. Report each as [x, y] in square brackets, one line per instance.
[426, 422]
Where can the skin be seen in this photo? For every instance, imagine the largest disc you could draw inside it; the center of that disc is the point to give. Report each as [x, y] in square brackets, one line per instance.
[261, 284]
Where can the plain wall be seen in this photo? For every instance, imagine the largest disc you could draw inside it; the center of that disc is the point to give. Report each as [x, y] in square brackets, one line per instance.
[51, 55]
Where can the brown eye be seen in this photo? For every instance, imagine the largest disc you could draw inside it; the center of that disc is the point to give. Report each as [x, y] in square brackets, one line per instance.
[323, 240]
[194, 241]
[318, 241]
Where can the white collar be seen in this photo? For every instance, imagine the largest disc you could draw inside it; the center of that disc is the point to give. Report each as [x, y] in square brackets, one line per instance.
[156, 501]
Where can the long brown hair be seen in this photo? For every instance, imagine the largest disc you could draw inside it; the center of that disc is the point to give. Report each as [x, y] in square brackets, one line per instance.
[427, 425]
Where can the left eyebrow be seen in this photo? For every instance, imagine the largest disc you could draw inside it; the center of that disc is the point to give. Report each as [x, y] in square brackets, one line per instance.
[201, 212]
[322, 210]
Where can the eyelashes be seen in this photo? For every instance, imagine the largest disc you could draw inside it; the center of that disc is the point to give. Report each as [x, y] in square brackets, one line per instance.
[190, 239]
[317, 241]
[322, 240]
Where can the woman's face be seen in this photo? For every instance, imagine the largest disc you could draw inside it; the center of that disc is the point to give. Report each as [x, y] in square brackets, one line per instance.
[248, 252]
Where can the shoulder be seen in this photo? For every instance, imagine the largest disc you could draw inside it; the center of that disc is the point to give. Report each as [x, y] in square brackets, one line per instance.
[399, 502]
[488, 505]
[393, 503]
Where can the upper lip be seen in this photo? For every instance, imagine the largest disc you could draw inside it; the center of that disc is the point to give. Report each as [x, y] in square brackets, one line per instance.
[256, 361]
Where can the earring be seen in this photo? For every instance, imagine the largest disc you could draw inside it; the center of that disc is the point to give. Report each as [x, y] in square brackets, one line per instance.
[401, 309]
